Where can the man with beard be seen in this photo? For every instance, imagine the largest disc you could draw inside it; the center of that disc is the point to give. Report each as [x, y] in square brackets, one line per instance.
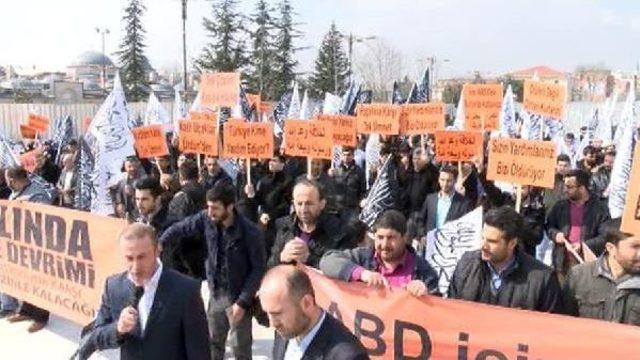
[551, 196]
[589, 159]
[213, 174]
[303, 329]
[608, 288]
[501, 273]
[149, 206]
[602, 176]
[124, 192]
[235, 264]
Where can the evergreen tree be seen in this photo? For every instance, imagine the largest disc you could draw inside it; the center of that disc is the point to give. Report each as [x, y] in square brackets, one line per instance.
[284, 61]
[261, 71]
[225, 51]
[331, 66]
[133, 62]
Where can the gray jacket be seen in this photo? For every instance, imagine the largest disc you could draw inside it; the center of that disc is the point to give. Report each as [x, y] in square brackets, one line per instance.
[591, 292]
[33, 192]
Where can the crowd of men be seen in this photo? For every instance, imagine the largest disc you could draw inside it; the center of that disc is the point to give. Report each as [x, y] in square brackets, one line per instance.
[230, 232]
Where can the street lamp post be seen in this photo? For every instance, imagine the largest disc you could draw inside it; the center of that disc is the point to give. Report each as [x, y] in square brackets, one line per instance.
[103, 32]
[350, 40]
[184, 44]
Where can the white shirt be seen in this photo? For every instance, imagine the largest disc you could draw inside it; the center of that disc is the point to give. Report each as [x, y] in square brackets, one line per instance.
[146, 301]
[296, 349]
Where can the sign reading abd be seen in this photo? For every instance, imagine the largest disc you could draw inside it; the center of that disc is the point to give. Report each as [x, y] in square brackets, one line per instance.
[523, 162]
[417, 119]
[458, 145]
[198, 137]
[344, 129]
[544, 98]
[150, 141]
[313, 139]
[57, 258]
[482, 104]
[631, 215]
[247, 140]
[220, 89]
[381, 119]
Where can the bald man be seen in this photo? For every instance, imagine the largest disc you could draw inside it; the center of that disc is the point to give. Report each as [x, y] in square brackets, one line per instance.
[303, 329]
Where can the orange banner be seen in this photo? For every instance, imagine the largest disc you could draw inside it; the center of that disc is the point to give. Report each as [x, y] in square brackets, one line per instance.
[204, 116]
[38, 122]
[482, 104]
[396, 325]
[254, 99]
[57, 258]
[631, 216]
[344, 129]
[247, 140]
[382, 119]
[150, 141]
[29, 159]
[417, 119]
[458, 145]
[27, 132]
[523, 162]
[544, 98]
[313, 139]
[198, 137]
[220, 89]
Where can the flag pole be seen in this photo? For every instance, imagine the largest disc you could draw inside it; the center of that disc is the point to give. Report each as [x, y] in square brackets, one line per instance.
[308, 168]
[518, 197]
[572, 251]
[248, 171]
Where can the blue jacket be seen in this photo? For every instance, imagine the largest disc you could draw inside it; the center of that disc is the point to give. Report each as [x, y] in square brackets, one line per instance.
[245, 253]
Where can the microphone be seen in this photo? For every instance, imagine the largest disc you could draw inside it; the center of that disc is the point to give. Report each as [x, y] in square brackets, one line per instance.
[138, 291]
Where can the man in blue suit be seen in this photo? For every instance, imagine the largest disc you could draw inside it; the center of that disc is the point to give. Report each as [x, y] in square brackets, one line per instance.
[148, 311]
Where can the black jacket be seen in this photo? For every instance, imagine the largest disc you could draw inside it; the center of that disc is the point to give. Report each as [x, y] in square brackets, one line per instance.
[350, 186]
[188, 201]
[529, 284]
[333, 341]
[426, 218]
[245, 253]
[418, 186]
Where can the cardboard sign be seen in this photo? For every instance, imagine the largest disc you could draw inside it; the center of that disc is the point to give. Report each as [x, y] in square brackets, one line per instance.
[631, 215]
[382, 119]
[544, 98]
[458, 145]
[38, 122]
[344, 129]
[389, 325]
[313, 139]
[220, 89]
[150, 141]
[482, 104]
[29, 160]
[264, 107]
[56, 258]
[27, 132]
[198, 137]
[247, 140]
[254, 99]
[204, 116]
[419, 119]
[523, 162]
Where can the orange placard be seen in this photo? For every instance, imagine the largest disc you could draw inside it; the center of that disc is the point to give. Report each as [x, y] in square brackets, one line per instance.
[29, 160]
[38, 122]
[524, 162]
[313, 139]
[396, 325]
[544, 98]
[265, 107]
[86, 122]
[220, 89]
[381, 119]
[28, 132]
[424, 118]
[198, 137]
[150, 141]
[482, 104]
[56, 258]
[247, 140]
[204, 116]
[458, 145]
[254, 99]
[344, 129]
[631, 215]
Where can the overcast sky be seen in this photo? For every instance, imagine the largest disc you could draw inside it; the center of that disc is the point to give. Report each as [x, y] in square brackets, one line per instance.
[486, 35]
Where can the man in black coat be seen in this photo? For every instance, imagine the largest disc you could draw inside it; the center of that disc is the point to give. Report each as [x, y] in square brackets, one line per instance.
[422, 180]
[149, 206]
[303, 330]
[350, 183]
[149, 312]
[501, 273]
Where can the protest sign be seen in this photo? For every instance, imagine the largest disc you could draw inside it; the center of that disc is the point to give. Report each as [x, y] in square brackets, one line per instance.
[482, 104]
[544, 98]
[631, 215]
[198, 137]
[86, 122]
[458, 145]
[254, 100]
[247, 140]
[57, 258]
[27, 132]
[344, 129]
[150, 141]
[312, 139]
[204, 116]
[29, 160]
[392, 324]
[38, 122]
[417, 119]
[524, 162]
[220, 89]
[381, 119]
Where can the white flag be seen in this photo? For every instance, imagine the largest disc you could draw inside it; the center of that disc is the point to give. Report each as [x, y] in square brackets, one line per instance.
[331, 104]
[305, 111]
[508, 126]
[156, 114]
[603, 129]
[460, 120]
[294, 107]
[179, 110]
[446, 245]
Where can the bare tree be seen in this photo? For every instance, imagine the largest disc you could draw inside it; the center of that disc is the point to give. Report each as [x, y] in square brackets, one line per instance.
[378, 66]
